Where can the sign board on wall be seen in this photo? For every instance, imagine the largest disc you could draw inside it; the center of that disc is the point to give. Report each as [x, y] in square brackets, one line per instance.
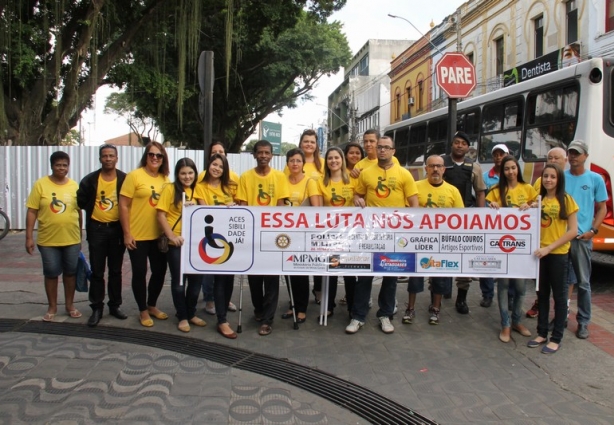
[271, 131]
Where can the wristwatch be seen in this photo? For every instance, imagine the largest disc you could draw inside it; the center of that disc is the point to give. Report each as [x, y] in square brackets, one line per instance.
[595, 231]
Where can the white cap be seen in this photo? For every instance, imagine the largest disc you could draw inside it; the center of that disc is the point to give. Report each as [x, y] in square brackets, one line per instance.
[500, 147]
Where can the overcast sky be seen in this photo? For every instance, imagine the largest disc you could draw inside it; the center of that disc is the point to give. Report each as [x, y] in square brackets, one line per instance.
[362, 20]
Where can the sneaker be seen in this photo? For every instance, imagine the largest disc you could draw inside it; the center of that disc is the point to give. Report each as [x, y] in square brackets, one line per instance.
[486, 302]
[434, 319]
[354, 326]
[385, 324]
[533, 311]
[408, 317]
[582, 332]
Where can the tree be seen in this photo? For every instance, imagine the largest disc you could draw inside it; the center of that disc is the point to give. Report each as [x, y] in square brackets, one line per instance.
[119, 103]
[72, 138]
[55, 54]
[277, 61]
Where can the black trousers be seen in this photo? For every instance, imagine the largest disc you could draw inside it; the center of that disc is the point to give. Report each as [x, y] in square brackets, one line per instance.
[300, 292]
[223, 285]
[147, 295]
[264, 290]
[106, 246]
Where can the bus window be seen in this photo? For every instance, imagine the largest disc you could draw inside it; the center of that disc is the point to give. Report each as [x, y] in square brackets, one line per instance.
[552, 117]
[469, 122]
[417, 140]
[437, 137]
[401, 140]
[501, 123]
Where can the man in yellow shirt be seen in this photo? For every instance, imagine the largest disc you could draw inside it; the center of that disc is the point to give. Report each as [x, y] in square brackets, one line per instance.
[388, 185]
[263, 186]
[433, 192]
[98, 195]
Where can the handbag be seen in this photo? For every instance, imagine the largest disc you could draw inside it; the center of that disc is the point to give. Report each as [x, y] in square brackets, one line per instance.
[163, 239]
[84, 273]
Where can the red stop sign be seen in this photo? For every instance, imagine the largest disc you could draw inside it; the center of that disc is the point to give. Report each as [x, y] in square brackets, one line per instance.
[455, 75]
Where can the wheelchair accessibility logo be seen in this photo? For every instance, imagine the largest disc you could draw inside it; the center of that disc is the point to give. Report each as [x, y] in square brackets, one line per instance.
[56, 206]
[209, 247]
[105, 203]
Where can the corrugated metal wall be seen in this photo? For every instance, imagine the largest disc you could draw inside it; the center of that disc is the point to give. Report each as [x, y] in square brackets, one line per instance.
[21, 166]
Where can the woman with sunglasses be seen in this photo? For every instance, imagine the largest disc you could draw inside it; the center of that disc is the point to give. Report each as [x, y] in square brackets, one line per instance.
[170, 214]
[511, 192]
[302, 188]
[138, 199]
[217, 189]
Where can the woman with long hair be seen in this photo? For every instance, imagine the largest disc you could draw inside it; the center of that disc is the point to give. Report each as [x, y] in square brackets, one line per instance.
[559, 225]
[170, 214]
[336, 190]
[138, 199]
[216, 188]
[511, 192]
[302, 188]
[314, 163]
[53, 203]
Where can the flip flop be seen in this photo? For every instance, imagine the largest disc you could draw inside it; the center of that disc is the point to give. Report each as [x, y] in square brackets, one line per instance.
[48, 317]
[75, 314]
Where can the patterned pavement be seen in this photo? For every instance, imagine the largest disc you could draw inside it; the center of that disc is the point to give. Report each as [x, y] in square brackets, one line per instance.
[455, 373]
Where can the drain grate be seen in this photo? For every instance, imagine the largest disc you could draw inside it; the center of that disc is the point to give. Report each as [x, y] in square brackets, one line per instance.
[355, 398]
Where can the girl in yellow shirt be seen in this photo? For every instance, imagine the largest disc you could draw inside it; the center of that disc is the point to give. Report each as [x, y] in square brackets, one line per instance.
[170, 211]
[512, 191]
[559, 225]
[314, 163]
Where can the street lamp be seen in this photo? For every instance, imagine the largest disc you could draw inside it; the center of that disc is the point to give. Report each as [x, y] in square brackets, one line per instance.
[423, 36]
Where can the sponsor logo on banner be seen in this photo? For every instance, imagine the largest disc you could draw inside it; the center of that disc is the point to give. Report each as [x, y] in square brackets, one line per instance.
[403, 262]
[339, 262]
[485, 263]
[303, 261]
[439, 263]
[508, 244]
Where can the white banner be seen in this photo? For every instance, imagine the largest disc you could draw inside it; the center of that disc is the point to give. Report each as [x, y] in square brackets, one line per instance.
[473, 242]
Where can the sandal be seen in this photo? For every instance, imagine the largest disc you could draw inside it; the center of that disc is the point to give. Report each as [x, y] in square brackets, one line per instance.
[48, 317]
[265, 330]
[230, 335]
[75, 314]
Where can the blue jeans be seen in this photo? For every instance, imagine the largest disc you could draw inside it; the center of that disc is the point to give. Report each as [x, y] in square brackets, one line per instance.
[59, 260]
[580, 255]
[208, 287]
[385, 299]
[185, 296]
[439, 285]
[487, 286]
[502, 296]
[552, 278]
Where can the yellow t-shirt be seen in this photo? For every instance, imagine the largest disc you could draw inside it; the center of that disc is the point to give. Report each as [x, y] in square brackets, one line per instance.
[306, 188]
[337, 194]
[310, 169]
[443, 196]
[386, 188]
[144, 191]
[232, 176]
[173, 212]
[58, 212]
[214, 195]
[523, 193]
[366, 162]
[552, 227]
[538, 185]
[263, 191]
[106, 206]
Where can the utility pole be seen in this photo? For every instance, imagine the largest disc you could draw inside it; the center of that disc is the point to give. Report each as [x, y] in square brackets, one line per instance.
[453, 103]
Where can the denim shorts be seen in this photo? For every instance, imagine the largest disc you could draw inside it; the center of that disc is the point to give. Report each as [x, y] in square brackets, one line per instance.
[439, 285]
[59, 260]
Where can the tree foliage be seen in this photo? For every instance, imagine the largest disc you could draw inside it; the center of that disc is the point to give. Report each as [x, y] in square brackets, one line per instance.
[144, 127]
[279, 53]
[55, 54]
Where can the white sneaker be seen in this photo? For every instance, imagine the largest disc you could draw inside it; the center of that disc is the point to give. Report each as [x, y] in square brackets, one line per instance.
[385, 324]
[354, 326]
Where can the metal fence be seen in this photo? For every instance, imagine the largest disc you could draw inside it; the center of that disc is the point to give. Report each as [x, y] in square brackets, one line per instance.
[21, 166]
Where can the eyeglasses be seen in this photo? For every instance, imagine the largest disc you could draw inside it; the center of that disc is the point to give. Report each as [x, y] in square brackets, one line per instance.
[295, 161]
[435, 166]
[155, 155]
[384, 148]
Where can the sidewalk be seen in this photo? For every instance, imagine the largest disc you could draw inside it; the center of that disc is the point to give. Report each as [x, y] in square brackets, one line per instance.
[454, 373]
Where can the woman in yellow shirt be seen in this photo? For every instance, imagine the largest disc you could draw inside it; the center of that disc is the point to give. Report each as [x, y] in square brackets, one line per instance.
[170, 214]
[314, 163]
[53, 202]
[336, 190]
[511, 192]
[138, 199]
[559, 225]
[301, 188]
[216, 188]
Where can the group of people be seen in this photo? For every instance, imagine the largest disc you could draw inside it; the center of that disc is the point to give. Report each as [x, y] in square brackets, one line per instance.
[132, 211]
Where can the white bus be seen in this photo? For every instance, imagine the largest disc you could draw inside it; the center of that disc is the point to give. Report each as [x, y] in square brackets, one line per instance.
[530, 118]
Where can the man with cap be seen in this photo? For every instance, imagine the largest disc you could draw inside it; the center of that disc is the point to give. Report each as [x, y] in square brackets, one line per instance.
[588, 190]
[491, 178]
[466, 176]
